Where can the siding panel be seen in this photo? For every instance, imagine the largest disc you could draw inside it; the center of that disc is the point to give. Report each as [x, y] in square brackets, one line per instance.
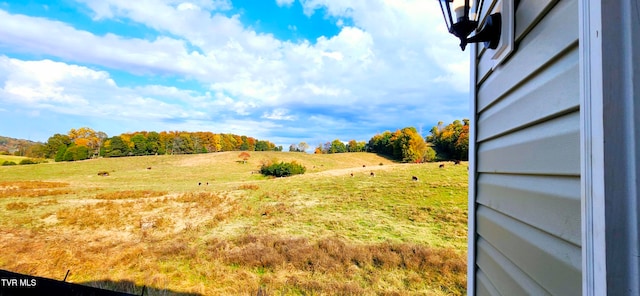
[553, 208]
[484, 285]
[552, 92]
[526, 152]
[541, 46]
[551, 147]
[528, 13]
[506, 277]
[552, 263]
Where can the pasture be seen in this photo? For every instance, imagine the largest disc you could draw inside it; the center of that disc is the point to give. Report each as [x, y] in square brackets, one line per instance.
[209, 224]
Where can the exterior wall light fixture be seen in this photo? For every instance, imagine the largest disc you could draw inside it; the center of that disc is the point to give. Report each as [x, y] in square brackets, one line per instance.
[463, 25]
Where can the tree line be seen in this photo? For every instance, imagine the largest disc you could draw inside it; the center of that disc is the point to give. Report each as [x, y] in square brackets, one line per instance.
[445, 142]
[84, 143]
[449, 142]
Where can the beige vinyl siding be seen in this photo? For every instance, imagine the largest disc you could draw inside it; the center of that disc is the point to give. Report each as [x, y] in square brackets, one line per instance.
[527, 155]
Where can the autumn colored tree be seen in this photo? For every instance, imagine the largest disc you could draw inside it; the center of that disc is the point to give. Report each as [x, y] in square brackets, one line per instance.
[451, 141]
[149, 143]
[84, 136]
[409, 146]
[405, 145]
[381, 144]
[244, 156]
[355, 146]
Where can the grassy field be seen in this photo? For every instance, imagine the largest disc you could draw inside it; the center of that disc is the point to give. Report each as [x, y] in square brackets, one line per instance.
[209, 224]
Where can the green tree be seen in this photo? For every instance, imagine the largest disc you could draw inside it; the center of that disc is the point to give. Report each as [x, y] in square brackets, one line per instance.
[60, 154]
[153, 143]
[337, 147]
[76, 152]
[264, 146]
[115, 147]
[140, 144]
[54, 144]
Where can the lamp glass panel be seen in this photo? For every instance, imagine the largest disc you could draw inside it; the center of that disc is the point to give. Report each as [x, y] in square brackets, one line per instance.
[458, 8]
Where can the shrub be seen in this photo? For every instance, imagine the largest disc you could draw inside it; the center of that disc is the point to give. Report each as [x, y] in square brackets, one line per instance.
[8, 163]
[429, 155]
[282, 169]
[28, 161]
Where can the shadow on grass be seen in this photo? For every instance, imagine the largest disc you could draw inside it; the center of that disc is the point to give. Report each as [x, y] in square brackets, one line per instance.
[12, 283]
[132, 289]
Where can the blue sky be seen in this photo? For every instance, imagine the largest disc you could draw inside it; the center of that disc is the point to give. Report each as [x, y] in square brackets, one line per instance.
[281, 70]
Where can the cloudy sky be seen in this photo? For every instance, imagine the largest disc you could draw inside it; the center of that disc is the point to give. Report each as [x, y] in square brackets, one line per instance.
[280, 70]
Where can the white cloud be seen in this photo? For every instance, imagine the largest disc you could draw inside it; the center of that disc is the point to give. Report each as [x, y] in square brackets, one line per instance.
[77, 90]
[187, 6]
[386, 52]
[284, 2]
[278, 114]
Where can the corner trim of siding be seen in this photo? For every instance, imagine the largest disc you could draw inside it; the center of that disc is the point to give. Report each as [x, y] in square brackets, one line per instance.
[594, 275]
[471, 209]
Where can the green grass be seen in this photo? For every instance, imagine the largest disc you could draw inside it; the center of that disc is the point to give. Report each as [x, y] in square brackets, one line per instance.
[324, 232]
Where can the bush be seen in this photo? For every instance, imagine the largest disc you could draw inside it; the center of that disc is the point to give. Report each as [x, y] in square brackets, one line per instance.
[8, 163]
[282, 169]
[28, 161]
[430, 155]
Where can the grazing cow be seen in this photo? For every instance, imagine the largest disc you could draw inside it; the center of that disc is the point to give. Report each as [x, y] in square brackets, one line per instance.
[351, 174]
[414, 178]
[364, 166]
[456, 162]
[442, 165]
[148, 168]
[372, 174]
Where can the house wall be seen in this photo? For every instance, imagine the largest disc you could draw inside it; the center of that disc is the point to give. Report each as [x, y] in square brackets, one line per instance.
[525, 191]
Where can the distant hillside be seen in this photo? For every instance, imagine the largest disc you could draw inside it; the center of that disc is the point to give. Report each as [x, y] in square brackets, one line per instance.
[11, 145]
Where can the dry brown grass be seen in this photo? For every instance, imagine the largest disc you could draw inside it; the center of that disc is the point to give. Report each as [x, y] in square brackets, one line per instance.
[31, 184]
[32, 189]
[337, 256]
[17, 206]
[248, 187]
[130, 194]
